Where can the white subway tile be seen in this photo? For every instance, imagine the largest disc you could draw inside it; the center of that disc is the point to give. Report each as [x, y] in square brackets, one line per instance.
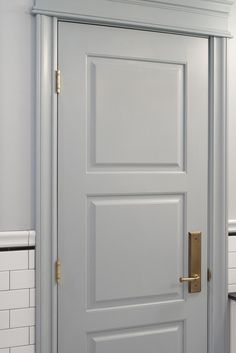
[232, 288]
[14, 299]
[232, 276]
[232, 243]
[4, 319]
[32, 237]
[23, 349]
[4, 280]
[31, 259]
[32, 297]
[32, 335]
[232, 259]
[14, 238]
[4, 350]
[22, 317]
[13, 260]
[22, 279]
[14, 337]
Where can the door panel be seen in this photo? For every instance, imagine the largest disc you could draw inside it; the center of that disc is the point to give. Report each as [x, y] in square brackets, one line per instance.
[117, 114]
[132, 181]
[128, 240]
[165, 338]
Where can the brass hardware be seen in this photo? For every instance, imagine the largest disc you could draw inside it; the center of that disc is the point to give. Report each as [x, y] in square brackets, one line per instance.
[189, 279]
[58, 81]
[194, 263]
[209, 275]
[58, 271]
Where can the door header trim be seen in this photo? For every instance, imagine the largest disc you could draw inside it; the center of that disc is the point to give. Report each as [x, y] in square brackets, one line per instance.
[203, 17]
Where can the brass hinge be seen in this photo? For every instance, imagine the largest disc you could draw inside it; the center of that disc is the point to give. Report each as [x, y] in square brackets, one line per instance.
[58, 81]
[58, 271]
[209, 275]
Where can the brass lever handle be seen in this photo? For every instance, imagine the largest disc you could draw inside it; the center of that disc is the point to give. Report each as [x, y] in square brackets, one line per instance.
[189, 279]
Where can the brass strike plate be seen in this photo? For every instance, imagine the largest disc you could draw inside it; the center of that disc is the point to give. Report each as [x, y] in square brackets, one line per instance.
[195, 261]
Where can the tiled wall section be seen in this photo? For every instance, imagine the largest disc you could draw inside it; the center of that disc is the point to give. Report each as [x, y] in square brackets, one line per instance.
[17, 301]
[232, 264]
[17, 291]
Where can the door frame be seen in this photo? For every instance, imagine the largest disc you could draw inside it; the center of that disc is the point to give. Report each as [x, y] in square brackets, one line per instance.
[46, 189]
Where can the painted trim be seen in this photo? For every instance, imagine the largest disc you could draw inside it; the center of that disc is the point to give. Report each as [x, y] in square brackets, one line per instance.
[155, 26]
[46, 185]
[232, 226]
[202, 17]
[21, 238]
[46, 228]
[208, 6]
[218, 327]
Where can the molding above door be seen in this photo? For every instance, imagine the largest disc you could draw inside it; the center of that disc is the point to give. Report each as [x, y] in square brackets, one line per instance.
[204, 17]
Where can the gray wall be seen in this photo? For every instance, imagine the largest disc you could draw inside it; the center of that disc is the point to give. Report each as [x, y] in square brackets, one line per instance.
[232, 118]
[17, 122]
[17, 135]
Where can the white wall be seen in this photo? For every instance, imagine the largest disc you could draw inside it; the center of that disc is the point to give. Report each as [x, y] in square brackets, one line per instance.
[232, 117]
[17, 135]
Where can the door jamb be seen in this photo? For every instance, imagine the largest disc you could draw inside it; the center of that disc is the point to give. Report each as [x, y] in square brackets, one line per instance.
[46, 184]
[46, 191]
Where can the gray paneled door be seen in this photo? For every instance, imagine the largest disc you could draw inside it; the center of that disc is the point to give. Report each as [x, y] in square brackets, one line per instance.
[132, 182]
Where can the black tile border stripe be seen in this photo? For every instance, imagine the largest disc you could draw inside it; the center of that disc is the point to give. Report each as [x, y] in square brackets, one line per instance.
[232, 296]
[17, 248]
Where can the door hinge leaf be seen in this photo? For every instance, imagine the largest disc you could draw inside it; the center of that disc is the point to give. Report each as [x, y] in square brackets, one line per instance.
[58, 81]
[58, 271]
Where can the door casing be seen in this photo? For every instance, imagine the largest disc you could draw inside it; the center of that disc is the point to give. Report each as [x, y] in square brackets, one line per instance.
[46, 209]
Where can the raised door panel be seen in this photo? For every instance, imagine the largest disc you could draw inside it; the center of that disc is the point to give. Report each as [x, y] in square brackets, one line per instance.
[163, 338]
[129, 241]
[136, 114]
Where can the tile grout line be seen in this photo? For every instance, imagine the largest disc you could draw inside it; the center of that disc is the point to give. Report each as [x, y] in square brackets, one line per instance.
[19, 308]
[18, 270]
[9, 280]
[9, 318]
[16, 327]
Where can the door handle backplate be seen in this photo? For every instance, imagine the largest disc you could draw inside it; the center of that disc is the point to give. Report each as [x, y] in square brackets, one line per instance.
[194, 263]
